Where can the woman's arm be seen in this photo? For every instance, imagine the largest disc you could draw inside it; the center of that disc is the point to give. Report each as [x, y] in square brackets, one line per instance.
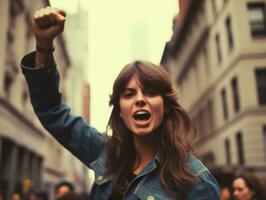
[42, 78]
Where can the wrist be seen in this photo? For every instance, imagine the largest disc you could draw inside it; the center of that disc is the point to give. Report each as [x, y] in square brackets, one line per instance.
[42, 59]
[44, 43]
[45, 50]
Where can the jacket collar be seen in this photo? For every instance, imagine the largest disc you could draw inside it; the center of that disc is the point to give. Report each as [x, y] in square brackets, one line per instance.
[101, 177]
[99, 168]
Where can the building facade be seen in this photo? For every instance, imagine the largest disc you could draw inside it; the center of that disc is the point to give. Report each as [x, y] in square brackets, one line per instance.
[77, 86]
[29, 157]
[217, 56]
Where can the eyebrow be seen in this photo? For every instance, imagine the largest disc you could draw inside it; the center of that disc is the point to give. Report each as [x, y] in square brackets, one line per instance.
[127, 89]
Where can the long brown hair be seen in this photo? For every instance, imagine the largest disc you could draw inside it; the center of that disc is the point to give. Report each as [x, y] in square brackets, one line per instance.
[175, 137]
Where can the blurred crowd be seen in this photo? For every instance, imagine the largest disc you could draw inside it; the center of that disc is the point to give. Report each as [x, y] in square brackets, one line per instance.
[62, 191]
[244, 186]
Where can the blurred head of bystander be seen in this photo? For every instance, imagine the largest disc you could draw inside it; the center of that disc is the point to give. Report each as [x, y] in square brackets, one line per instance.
[63, 188]
[71, 196]
[225, 193]
[247, 187]
[2, 195]
[33, 196]
[15, 196]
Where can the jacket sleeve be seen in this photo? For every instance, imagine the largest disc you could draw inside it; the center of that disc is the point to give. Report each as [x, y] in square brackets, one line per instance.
[71, 131]
[206, 188]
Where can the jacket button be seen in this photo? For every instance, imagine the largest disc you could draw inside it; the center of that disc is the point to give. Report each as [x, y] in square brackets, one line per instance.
[150, 198]
[99, 178]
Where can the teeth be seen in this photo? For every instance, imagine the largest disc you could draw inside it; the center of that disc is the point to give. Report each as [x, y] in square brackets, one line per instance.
[141, 112]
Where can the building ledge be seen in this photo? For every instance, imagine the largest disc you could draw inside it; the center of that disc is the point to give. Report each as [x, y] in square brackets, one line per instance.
[254, 111]
[20, 116]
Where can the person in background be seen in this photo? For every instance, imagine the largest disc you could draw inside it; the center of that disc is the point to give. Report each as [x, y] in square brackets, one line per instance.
[2, 195]
[42, 195]
[71, 196]
[63, 188]
[247, 187]
[149, 155]
[15, 196]
[225, 193]
[33, 196]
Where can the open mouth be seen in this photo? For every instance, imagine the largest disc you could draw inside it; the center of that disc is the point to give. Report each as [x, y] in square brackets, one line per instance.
[141, 115]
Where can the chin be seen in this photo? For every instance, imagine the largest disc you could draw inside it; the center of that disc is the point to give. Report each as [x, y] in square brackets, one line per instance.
[143, 132]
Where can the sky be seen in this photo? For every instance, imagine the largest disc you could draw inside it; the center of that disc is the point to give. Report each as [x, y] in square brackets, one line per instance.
[120, 31]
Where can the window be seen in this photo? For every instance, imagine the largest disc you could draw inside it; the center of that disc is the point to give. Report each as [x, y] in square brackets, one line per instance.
[227, 151]
[240, 148]
[25, 96]
[230, 39]
[218, 48]
[257, 20]
[7, 82]
[224, 103]
[200, 124]
[261, 85]
[264, 140]
[206, 61]
[234, 86]
[6, 157]
[210, 115]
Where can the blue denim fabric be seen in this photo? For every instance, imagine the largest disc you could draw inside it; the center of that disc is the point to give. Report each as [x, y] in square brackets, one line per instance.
[87, 144]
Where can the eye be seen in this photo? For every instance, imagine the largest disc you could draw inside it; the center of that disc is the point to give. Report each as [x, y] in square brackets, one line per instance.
[128, 93]
[151, 92]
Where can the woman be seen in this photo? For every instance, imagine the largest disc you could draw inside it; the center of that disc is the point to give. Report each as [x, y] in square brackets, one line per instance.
[148, 155]
[247, 187]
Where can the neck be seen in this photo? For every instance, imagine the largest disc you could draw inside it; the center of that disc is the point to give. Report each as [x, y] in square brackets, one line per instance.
[146, 148]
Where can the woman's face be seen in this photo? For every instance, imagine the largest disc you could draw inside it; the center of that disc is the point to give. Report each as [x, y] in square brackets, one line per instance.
[141, 109]
[241, 191]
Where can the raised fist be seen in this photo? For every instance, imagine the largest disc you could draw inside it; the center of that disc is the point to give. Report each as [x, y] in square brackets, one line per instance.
[48, 23]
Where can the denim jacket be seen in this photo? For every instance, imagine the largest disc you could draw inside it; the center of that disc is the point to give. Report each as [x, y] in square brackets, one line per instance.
[87, 144]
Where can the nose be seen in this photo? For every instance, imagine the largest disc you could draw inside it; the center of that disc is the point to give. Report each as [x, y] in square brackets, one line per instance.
[140, 100]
